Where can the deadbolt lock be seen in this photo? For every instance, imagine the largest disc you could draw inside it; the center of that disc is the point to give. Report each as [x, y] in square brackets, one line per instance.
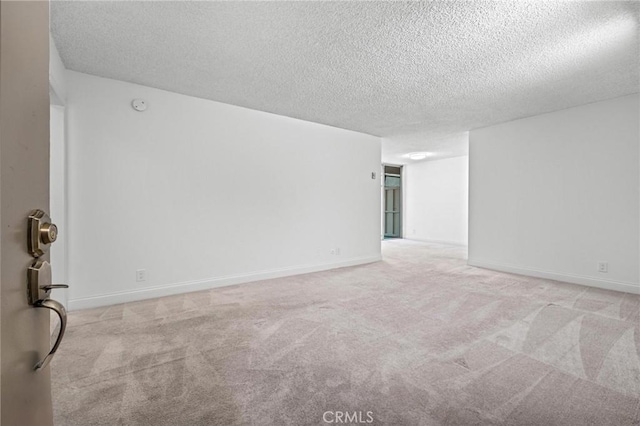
[48, 233]
[41, 233]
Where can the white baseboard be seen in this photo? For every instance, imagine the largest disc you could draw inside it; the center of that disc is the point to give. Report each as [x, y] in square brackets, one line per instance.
[449, 243]
[190, 286]
[623, 286]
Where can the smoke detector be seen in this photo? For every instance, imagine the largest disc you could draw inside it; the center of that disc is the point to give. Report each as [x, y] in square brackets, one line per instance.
[139, 105]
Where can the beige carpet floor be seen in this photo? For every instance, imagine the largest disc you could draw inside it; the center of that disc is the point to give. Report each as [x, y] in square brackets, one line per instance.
[417, 339]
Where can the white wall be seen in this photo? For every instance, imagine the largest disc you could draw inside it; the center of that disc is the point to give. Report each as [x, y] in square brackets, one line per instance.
[202, 194]
[57, 71]
[553, 195]
[436, 200]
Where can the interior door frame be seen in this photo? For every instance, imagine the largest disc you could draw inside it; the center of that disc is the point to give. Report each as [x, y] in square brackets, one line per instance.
[58, 208]
[401, 221]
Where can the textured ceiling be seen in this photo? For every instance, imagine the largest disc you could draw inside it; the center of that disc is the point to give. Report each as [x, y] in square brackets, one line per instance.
[419, 74]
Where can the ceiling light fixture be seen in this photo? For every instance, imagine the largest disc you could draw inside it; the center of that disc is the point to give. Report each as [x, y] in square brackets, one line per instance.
[419, 155]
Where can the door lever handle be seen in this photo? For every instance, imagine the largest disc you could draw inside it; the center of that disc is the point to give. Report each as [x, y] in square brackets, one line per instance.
[56, 307]
[52, 286]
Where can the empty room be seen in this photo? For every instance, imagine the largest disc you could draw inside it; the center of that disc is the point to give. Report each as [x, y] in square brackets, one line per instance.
[319, 213]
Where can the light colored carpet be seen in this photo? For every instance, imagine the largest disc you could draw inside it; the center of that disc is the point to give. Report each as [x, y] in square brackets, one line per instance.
[417, 339]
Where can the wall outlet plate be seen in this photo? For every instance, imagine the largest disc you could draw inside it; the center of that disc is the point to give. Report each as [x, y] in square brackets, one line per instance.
[603, 266]
[141, 275]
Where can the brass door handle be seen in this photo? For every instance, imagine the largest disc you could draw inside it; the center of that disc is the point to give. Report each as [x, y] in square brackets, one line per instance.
[56, 307]
[38, 290]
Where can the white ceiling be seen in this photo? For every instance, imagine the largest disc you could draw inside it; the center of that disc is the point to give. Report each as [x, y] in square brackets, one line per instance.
[419, 74]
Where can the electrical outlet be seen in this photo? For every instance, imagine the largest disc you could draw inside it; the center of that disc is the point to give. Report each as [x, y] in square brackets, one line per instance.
[141, 275]
[603, 266]
[332, 251]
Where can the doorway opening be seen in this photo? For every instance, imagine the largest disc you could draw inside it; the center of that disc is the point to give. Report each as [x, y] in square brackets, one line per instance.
[392, 201]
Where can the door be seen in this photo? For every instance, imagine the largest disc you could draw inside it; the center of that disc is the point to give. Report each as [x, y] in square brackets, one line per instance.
[392, 201]
[24, 186]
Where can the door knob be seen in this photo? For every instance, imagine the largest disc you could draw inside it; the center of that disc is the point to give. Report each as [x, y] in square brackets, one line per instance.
[41, 233]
